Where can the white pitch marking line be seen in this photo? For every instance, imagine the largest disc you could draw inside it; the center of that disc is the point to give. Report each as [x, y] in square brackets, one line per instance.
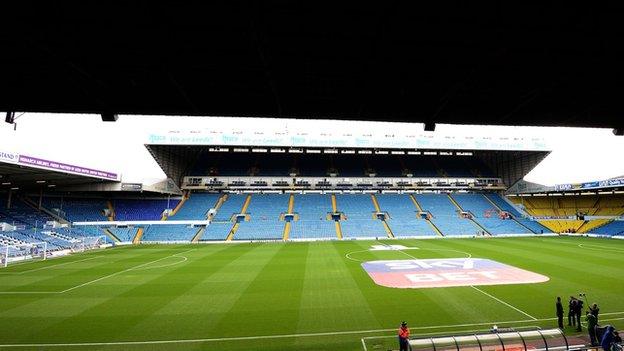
[120, 272]
[503, 302]
[92, 281]
[27, 292]
[52, 266]
[599, 248]
[184, 259]
[493, 297]
[259, 337]
[364, 344]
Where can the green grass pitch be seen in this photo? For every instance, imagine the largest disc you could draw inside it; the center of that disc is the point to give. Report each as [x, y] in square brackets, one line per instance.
[286, 296]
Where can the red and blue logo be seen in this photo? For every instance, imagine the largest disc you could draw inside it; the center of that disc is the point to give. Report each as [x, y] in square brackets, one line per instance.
[447, 272]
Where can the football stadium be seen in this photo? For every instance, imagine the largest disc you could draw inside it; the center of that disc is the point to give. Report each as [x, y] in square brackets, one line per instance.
[303, 226]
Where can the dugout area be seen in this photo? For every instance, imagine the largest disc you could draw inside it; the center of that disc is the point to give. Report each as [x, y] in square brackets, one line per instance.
[493, 339]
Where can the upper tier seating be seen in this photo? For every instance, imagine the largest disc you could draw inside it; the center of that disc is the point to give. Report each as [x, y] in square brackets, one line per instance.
[142, 210]
[264, 211]
[312, 223]
[22, 214]
[570, 206]
[445, 215]
[322, 165]
[403, 216]
[359, 222]
[196, 207]
[77, 210]
[558, 206]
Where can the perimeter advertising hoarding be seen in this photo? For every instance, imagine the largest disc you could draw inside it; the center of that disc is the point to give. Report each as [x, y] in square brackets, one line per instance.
[14, 158]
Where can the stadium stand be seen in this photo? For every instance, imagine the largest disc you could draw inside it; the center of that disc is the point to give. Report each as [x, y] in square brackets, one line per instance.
[487, 215]
[508, 207]
[196, 207]
[403, 218]
[75, 209]
[22, 214]
[231, 206]
[142, 209]
[169, 233]
[593, 205]
[559, 213]
[258, 164]
[359, 216]
[217, 231]
[445, 215]
[263, 216]
[312, 223]
[124, 234]
[263, 222]
[611, 228]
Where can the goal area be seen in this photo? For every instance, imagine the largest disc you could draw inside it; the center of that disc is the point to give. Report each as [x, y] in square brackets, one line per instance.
[14, 253]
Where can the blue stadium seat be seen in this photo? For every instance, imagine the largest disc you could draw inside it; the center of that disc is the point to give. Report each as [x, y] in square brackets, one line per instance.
[196, 207]
[403, 216]
[230, 207]
[359, 222]
[486, 214]
[611, 228]
[142, 209]
[264, 211]
[445, 215]
[77, 210]
[313, 223]
[169, 232]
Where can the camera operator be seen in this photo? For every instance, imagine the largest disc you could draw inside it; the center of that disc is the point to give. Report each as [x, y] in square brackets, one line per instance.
[594, 310]
[592, 322]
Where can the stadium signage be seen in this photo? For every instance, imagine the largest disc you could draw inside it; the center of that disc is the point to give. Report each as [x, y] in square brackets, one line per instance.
[383, 140]
[9, 157]
[131, 186]
[608, 183]
[447, 272]
[63, 167]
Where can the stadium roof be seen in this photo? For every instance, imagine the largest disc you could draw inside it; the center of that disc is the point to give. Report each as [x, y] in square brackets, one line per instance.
[14, 176]
[472, 63]
[24, 172]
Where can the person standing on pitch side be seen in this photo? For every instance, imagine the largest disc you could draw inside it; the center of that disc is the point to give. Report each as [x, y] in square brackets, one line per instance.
[578, 311]
[591, 327]
[404, 337]
[571, 310]
[595, 310]
[559, 313]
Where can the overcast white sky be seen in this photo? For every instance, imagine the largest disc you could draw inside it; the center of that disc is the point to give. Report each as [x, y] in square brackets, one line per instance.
[578, 154]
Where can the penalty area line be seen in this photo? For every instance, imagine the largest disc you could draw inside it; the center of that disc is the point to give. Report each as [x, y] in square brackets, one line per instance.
[120, 272]
[96, 280]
